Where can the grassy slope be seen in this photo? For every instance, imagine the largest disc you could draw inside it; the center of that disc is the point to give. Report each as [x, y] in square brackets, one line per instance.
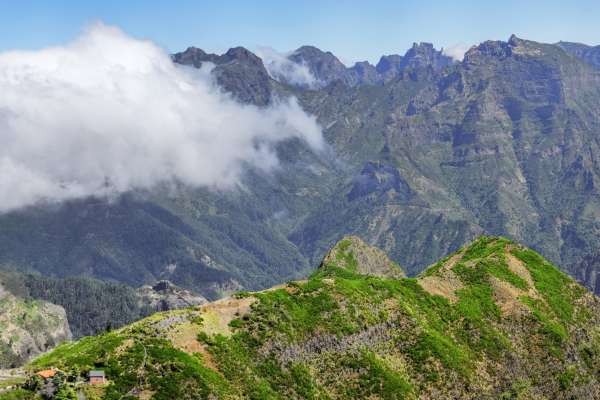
[498, 333]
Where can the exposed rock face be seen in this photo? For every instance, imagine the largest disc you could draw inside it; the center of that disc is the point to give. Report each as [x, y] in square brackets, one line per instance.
[425, 55]
[327, 68]
[377, 179]
[163, 296]
[28, 328]
[354, 254]
[238, 71]
[324, 66]
[589, 54]
[390, 66]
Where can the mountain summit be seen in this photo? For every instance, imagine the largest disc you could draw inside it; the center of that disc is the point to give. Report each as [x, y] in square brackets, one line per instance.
[353, 254]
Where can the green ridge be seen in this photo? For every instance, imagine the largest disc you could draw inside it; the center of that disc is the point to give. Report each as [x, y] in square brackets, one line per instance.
[341, 335]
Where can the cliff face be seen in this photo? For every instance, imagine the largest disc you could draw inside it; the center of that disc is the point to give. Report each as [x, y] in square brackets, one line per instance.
[28, 328]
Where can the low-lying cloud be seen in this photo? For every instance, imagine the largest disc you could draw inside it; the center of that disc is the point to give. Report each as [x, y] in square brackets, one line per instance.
[108, 113]
[457, 51]
[284, 70]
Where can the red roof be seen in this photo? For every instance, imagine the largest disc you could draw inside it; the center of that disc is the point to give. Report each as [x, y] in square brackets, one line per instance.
[47, 373]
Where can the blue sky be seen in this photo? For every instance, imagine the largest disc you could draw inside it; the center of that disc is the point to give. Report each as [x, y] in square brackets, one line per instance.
[353, 30]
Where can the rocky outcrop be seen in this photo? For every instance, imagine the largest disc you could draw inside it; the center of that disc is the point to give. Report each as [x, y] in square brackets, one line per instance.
[28, 328]
[164, 296]
[424, 55]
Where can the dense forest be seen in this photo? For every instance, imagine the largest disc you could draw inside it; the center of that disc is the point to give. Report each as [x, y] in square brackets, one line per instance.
[92, 306]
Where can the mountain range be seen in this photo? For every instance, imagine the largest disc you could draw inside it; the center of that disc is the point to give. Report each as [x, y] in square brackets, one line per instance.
[424, 154]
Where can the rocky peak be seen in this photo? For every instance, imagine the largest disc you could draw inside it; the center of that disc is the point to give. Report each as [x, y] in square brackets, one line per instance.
[242, 54]
[238, 71]
[365, 72]
[514, 41]
[194, 56]
[392, 62]
[491, 48]
[424, 55]
[354, 254]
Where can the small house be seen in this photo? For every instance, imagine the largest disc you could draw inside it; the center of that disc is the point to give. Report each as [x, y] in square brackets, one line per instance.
[97, 378]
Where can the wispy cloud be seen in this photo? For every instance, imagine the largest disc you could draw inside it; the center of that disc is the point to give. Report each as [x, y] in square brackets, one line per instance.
[456, 51]
[284, 70]
[108, 113]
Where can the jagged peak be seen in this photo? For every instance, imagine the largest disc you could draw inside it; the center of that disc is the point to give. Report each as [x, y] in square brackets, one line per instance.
[352, 253]
[309, 53]
[514, 40]
[242, 54]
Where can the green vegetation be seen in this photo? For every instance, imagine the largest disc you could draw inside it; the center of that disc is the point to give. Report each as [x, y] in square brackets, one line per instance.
[92, 306]
[342, 335]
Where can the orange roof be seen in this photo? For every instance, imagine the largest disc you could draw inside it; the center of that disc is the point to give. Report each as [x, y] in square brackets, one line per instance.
[47, 373]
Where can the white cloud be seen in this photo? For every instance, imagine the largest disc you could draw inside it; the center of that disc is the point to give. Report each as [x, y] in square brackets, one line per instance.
[284, 70]
[108, 113]
[456, 51]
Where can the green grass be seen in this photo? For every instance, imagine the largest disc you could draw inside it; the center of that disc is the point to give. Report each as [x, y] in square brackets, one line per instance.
[553, 285]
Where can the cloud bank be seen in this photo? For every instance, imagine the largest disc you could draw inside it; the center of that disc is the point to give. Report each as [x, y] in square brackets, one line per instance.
[108, 113]
[284, 70]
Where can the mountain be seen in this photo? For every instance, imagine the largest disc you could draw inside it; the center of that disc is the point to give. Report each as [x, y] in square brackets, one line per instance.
[493, 320]
[28, 328]
[589, 54]
[418, 163]
[503, 143]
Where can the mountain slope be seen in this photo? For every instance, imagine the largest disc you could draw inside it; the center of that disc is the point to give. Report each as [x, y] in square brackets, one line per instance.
[28, 328]
[494, 320]
[589, 54]
[419, 163]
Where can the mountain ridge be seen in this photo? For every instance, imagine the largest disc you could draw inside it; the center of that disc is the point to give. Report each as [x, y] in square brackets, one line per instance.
[513, 326]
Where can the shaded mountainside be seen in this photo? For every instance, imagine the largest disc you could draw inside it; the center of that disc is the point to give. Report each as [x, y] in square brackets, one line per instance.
[420, 162]
[493, 320]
